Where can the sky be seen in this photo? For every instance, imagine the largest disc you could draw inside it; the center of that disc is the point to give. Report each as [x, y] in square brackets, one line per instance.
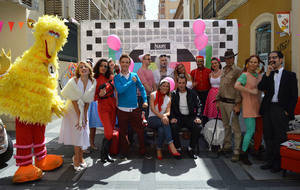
[151, 9]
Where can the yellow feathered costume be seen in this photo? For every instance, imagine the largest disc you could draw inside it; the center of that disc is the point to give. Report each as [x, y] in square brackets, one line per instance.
[28, 92]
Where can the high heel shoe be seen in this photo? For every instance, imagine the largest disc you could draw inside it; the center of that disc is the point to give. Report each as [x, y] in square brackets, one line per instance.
[159, 157]
[176, 155]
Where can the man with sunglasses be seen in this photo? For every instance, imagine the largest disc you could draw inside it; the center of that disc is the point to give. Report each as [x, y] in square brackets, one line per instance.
[147, 79]
[201, 84]
[163, 69]
[277, 107]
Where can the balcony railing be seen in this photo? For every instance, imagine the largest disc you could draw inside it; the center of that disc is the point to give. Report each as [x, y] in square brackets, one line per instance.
[221, 3]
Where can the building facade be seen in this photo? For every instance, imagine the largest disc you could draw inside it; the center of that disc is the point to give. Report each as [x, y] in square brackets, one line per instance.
[167, 8]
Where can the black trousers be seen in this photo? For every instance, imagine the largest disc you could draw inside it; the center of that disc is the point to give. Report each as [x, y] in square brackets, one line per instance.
[186, 122]
[275, 126]
[203, 96]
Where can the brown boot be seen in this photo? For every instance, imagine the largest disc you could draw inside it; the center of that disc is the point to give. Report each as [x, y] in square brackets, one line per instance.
[235, 158]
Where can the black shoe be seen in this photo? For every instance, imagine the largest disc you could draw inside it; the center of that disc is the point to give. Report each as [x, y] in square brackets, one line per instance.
[102, 152]
[191, 154]
[266, 166]
[123, 157]
[107, 156]
[244, 158]
[275, 170]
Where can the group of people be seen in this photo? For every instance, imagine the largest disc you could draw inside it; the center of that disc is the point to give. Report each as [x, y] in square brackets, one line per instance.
[204, 94]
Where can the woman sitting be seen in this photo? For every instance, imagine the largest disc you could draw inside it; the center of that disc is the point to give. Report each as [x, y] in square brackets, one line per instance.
[160, 105]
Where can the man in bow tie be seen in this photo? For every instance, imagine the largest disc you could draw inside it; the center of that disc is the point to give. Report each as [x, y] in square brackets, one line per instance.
[277, 107]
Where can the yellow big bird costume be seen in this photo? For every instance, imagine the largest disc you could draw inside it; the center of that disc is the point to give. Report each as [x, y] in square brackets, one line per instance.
[28, 93]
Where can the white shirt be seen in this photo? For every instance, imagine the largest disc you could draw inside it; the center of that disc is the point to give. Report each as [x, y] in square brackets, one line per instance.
[277, 78]
[158, 77]
[183, 106]
[164, 106]
[124, 108]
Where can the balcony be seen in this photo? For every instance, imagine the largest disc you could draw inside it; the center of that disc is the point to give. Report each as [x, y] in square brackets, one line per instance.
[226, 7]
[221, 3]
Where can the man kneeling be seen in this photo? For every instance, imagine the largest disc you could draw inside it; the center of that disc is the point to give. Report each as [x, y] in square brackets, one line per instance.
[185, 113]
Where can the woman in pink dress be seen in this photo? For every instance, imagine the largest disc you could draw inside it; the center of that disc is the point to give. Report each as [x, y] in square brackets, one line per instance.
[210, 109]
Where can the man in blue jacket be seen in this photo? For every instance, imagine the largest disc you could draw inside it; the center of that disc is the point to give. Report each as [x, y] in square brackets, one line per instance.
[128, 113]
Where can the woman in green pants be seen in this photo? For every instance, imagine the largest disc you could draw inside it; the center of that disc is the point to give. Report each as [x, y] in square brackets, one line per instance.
[247, 85]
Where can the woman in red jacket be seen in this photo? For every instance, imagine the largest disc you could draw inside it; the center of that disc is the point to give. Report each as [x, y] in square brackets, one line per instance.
[106, 104]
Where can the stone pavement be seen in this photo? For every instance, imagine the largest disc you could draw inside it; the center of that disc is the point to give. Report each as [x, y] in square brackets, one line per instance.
[141, 173]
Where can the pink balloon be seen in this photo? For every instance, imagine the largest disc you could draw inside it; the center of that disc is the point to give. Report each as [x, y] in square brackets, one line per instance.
[201, 41]
[114, 42]
[171, 81]
[199, 26]
[131, 66]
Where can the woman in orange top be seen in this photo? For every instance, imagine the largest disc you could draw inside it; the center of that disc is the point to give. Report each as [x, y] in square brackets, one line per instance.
[247, 85]
[106, 104]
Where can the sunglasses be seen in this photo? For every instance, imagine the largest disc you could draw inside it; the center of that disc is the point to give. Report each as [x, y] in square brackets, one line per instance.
[273, 57]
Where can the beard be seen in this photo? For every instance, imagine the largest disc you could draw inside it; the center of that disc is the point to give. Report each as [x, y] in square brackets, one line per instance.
[163, 66]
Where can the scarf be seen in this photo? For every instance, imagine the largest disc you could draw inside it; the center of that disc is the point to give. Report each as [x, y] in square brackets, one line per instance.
[159, 100]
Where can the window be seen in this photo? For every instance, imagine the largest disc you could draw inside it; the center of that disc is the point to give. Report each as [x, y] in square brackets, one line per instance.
[173, 0]
[263, 38]
[172, 11]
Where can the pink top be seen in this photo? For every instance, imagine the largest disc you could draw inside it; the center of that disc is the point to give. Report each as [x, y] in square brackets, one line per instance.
[251, 102]
[146, 77]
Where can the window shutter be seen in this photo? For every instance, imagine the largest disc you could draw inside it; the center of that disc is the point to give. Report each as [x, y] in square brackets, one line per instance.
[53, 7]
[81, 10]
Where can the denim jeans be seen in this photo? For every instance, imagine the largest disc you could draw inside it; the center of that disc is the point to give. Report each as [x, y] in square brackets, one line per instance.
[163, 131]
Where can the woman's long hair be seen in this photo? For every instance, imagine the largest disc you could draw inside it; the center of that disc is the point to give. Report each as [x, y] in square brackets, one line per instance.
[259, 62]
[77, 74]
[176, 72]
[108, 72]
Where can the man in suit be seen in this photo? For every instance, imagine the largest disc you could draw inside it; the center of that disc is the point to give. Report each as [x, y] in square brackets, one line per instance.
[277, 107]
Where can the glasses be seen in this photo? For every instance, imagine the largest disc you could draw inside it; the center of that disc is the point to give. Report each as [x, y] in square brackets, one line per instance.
[200, 61]
[105, 66]
[148, 59]
[273, 57]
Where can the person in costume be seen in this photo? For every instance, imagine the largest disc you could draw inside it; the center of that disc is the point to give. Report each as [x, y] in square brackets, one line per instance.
[106, 105]
[28, 93]
[79, 92]
[180, 69]
[160, 106]
[94, 122]
[247, 85]
[210, 110]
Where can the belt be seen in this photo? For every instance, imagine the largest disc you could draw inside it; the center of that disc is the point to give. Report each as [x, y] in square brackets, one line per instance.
[105, 97]
[227, 100]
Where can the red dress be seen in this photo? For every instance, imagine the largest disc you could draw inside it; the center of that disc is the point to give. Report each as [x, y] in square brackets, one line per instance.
[106, 105]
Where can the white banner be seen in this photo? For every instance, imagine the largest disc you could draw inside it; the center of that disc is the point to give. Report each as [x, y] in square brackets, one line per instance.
[283, 19]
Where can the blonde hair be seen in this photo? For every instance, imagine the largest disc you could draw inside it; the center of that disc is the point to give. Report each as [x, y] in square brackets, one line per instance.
[77, 74]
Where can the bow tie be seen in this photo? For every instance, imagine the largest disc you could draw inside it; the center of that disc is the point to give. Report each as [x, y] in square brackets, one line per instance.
[276, 71]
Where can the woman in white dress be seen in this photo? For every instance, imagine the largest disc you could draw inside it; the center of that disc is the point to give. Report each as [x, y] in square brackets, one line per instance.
[79, 92]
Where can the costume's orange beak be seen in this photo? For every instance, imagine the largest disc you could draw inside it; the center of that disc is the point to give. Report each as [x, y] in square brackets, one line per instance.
[50, 43]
